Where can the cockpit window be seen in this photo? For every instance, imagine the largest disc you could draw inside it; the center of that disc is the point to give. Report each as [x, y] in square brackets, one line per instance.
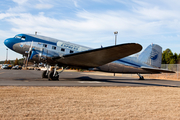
[18, 36]
[23, 38]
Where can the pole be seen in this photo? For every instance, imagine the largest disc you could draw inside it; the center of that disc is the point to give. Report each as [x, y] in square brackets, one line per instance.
[6, 54]
[177, 71]
[115, 33]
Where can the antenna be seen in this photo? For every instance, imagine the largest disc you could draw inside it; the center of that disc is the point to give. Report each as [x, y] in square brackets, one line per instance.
[36, 32]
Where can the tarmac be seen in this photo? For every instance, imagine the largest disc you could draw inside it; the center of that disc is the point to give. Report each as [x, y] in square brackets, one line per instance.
[76, 79]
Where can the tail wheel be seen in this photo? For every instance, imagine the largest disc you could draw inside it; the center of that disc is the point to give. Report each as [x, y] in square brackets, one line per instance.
[141, 78]
[52, 77]
[44, 75]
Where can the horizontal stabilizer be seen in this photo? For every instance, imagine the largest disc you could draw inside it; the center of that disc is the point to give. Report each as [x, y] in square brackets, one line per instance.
[155, 70]
[100, 56]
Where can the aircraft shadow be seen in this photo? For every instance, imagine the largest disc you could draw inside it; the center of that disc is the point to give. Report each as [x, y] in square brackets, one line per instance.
[115, 81]
[123, 81]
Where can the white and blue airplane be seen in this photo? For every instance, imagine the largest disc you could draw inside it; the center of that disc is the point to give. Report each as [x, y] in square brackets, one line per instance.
[112, 59]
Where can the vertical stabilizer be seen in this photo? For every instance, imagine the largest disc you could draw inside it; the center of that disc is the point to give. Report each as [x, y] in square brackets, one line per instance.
[152, 55]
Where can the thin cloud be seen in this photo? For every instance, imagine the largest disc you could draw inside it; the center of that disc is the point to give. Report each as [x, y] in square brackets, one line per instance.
[20, 2]
[75, 3]
[43, 6]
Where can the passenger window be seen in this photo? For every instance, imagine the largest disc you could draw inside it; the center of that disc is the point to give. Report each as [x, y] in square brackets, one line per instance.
[44, 45]
[23, 38]
[53, 47]
[71, 51]
[62, 49]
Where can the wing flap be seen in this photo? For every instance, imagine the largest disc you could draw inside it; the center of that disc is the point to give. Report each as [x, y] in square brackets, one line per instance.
[158, 70]
[98, 57]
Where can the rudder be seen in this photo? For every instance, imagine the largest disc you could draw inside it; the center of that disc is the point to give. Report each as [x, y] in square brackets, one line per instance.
[152, 55]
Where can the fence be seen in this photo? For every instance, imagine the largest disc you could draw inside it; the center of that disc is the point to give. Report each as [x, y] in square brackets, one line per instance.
[172, 76]
[173, 67]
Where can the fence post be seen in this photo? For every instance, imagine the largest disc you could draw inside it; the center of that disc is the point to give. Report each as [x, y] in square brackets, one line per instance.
[177, 72]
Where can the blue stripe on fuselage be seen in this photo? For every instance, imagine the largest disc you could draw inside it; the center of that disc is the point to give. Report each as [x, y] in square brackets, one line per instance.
[129, 63]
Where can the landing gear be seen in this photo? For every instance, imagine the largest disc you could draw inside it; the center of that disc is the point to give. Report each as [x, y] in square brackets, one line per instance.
[53, 75]
[44, 74]
[140, 77]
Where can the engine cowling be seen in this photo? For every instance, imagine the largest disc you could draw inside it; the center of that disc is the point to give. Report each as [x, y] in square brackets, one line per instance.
[38, 56]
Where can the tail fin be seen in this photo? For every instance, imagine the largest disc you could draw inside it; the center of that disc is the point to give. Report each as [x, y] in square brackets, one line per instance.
[152, 55]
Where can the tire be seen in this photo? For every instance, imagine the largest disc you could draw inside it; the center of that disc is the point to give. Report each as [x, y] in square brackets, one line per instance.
[141, 78]
[44, 74]
[51, 77]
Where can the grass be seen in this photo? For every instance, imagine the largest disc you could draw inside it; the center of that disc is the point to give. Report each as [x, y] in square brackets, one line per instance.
[89, 103]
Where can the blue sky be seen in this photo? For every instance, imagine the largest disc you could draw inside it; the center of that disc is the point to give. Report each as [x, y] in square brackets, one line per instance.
[92, 22]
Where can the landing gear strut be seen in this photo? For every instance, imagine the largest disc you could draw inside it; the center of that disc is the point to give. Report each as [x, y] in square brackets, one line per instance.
[52, 75]
[140, 77]
[45, 73]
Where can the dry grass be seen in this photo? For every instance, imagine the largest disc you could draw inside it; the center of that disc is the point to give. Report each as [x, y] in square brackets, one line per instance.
[89, 103]
[165, 76]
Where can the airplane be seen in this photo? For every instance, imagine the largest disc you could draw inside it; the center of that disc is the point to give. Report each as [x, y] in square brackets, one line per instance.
[114, 59]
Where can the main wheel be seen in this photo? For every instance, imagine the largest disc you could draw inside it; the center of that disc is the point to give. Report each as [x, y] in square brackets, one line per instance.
[51, 77]
[141, 78]
[44, 75]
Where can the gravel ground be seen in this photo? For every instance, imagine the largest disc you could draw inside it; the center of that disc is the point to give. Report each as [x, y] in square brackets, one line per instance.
[90, 103]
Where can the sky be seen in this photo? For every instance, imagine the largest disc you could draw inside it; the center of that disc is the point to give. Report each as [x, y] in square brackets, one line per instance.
[92, 22]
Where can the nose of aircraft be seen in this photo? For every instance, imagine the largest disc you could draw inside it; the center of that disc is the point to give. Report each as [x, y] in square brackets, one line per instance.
[9, 43]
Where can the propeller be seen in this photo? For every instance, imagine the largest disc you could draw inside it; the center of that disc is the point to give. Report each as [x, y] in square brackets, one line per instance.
[29, 54]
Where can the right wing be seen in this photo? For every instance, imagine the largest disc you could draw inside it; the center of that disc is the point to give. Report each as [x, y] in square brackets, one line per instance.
[97, 57]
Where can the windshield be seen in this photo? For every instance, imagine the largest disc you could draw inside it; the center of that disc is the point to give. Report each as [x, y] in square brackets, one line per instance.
[20, 37]
[17, 36]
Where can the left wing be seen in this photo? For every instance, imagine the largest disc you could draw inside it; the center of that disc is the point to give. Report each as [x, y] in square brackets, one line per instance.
[155, 70]
[98, 57]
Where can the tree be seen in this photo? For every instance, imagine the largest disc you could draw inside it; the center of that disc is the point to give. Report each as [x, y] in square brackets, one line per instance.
[175, 57]
[169, 58]
[8, 62]
[178, 59]
[167, 55]
[16, 62]
[21, 61]
[5, 62]
[172, 61]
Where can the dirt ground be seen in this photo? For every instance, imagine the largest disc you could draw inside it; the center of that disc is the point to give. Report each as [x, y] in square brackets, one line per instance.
[89, 103]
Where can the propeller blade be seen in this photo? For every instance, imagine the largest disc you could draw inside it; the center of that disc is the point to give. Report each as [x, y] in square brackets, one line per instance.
[33, 52]
[29, 54]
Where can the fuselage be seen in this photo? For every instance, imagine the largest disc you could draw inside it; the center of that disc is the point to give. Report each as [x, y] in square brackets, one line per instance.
[47, 48]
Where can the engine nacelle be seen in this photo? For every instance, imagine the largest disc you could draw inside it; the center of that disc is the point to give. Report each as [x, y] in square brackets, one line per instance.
[39, 56]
